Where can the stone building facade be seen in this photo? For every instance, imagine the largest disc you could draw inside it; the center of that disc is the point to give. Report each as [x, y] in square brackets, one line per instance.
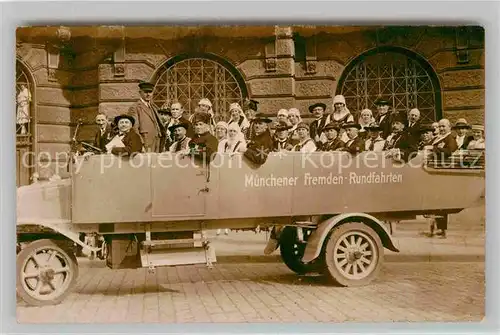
[74, 72]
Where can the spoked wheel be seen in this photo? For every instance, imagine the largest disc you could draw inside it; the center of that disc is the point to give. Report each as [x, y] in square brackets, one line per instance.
[353, 255]
[292, 251]
[46, 273]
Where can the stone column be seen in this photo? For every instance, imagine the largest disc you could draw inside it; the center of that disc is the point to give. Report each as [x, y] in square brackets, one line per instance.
[275, 88]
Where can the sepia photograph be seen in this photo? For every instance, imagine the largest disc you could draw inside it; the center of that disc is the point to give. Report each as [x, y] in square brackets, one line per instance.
[250, 173]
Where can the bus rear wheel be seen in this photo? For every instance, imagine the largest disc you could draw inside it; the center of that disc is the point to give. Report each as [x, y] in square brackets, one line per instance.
[292, 251]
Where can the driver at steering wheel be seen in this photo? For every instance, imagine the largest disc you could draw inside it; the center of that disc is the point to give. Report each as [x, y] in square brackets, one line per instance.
[104, 133]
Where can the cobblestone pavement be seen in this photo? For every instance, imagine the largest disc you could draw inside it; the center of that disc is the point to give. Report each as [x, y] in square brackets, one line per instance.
[257, 292]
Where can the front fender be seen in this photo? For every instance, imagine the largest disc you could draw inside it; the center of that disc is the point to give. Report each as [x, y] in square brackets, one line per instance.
[318, 237]
[63, 228]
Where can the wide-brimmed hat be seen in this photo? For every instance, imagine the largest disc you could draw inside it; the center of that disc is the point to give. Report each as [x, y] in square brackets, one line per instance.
[318, 104]
[252, 104]
[201, 117]
[425, 128]
[282, 126]
[124, 116]
[179, 125]
[146, 87]
[261, 117]
[381, 102]
[373, 127]
[332, 125]
[398, 118]
[165, 111]
[461, 124]
[351, 125]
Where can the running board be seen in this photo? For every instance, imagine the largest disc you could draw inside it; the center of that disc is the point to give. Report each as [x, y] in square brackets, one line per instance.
[177, 256]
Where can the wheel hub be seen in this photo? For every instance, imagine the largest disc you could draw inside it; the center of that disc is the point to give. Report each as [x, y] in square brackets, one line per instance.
[47, 274]
[353, 255]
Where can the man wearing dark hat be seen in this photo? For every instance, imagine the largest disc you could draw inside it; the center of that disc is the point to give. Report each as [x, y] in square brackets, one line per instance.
[181, 143]
[322, 119]
[374, 142]
[261, 144]
[383, 119]
[355, 144]
[281, 138]
[148, 122]
[250, 107]
[132, 142]
[426, 136]
[400, 144]
[462, 137]
[203, 145]
[333, 141]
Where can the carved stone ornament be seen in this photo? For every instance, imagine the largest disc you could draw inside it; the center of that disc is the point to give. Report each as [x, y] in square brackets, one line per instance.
[311, 66]
[52, 74]
[119, 70]
[270, 64]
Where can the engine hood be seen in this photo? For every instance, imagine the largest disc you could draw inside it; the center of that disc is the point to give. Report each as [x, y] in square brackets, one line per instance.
[44, 202]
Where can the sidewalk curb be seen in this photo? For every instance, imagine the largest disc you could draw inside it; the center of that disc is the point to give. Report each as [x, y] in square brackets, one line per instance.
[390, 258]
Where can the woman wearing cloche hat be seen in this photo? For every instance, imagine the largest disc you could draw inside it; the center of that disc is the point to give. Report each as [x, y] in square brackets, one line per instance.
[341, 115]
[478, 141]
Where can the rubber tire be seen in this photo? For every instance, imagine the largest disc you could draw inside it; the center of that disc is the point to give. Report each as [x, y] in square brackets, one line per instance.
[287, 240]
[329, 267]
[26, 252]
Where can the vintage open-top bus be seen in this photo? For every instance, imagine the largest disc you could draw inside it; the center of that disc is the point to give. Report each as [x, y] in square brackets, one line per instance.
[327, 209]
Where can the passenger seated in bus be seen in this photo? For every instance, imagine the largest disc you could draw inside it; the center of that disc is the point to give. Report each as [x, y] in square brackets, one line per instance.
[221, 131]
[478, 138]
[333, 141]
[262, 143]
[204, 145]
[235, 141]
[127, 142]
[104, 133]
[413, 122]
[205, 106]
[322, 119]
[400, 144]
[444, 144]
[306, 143]
[435, 126]
[181, 144]
[295, 119]
[355, 144]
[250, 108]
[237, 116]
[365, 120]
[166, 118]
[462, 137]
[426, 136]
[374, 142]
[281, 140]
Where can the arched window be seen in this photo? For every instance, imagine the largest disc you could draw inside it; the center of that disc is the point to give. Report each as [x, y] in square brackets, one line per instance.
[187, 79]
[397, 75]
[24, 124]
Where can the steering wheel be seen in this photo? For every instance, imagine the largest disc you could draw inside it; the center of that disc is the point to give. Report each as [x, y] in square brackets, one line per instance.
[90, 147]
